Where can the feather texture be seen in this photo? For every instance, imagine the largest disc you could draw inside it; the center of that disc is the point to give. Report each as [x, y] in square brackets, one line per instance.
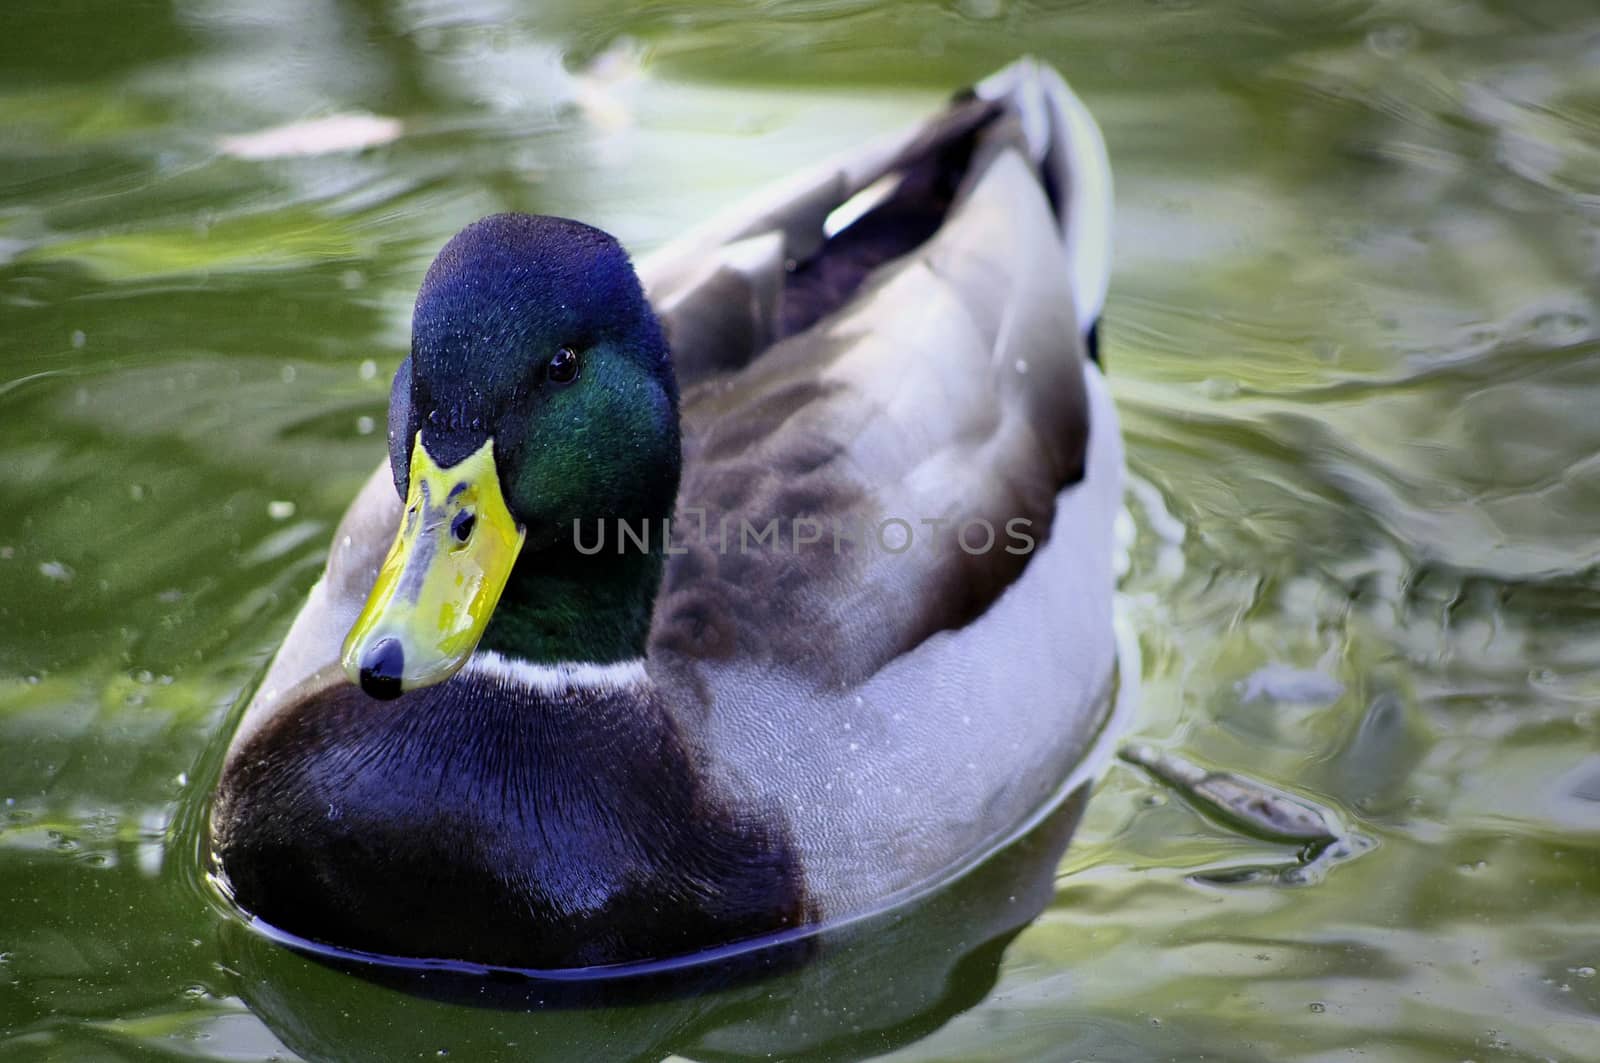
[887, 712]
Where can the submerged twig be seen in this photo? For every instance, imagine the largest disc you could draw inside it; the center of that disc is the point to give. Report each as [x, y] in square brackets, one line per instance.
[1258, 809]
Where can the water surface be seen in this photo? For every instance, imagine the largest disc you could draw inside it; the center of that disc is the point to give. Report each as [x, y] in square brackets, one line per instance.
[1352, 332]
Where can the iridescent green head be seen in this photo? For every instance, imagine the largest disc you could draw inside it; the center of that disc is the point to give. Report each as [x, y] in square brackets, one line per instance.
[539, 393]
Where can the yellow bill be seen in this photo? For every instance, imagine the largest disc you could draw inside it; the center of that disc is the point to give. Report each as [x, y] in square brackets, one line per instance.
[443, 577]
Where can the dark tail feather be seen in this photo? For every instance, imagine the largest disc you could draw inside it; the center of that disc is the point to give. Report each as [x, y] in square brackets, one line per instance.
[1026, 106]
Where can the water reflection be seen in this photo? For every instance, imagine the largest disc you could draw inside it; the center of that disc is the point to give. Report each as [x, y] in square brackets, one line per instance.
[1354, 338]
[848, 993]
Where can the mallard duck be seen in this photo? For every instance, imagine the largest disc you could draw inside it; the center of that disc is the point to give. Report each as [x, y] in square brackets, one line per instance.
[750, 591]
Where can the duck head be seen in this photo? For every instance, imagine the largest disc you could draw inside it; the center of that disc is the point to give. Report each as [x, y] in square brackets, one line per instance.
[538, 393]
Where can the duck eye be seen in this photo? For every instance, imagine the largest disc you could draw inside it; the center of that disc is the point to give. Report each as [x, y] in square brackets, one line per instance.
[461, 526]
[563, 367]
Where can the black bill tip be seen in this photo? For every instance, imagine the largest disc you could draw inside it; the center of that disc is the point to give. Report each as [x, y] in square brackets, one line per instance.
[380, 669]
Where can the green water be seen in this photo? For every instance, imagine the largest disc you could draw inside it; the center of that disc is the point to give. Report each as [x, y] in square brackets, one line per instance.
[1352, 332]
